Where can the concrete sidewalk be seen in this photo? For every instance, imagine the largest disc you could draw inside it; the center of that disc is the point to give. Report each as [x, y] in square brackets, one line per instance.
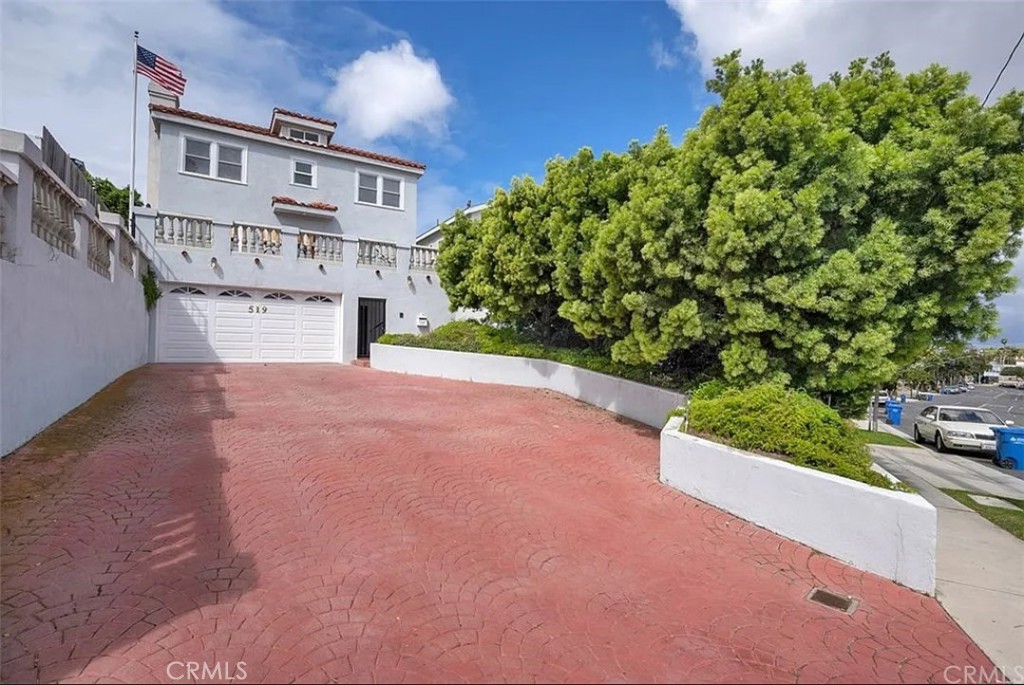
[980, 574]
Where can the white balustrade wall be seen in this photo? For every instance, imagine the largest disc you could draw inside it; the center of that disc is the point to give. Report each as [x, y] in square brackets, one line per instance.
[325, 246]
[377, 253]
[422, 258]
[255, 239]
[70, 323]
[181, 229]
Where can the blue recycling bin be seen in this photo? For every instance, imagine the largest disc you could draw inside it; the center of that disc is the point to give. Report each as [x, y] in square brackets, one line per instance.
[903, 398]
[893, 412]
[1009, 447]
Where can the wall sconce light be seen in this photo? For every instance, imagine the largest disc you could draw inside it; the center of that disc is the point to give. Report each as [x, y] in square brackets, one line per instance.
[184, 254]
[213, 262]
[378, 273]
[322, 269]
[409, 278]
[258, 262]
[428, 279]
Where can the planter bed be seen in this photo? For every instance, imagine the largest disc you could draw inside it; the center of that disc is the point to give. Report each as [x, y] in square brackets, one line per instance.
[887, 532]
[643, 403]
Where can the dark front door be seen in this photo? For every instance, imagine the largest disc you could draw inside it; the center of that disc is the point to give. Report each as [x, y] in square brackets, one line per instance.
[371, 324]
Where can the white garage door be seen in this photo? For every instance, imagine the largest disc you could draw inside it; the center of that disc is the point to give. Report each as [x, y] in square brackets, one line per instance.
[201, 324]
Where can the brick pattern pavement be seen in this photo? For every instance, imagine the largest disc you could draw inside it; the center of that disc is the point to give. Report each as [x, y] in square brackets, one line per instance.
[339, 524]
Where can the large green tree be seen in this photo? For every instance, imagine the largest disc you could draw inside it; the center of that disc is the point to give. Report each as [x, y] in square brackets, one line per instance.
[113, 198]
[823, 235]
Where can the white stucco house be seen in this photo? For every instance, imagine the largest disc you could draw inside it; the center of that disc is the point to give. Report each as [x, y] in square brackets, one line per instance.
[432, 237]
[275, 243]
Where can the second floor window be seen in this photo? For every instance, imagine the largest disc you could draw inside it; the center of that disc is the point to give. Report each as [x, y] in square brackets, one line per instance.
[303, 173]
[215, 160]
[380, 190]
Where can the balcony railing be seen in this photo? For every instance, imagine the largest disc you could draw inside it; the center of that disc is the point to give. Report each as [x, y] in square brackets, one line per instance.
[99, 249]
[422, 258]
[255, 239]
[324, 246]
[377, 253]
[53, 213]
[182, 229]
[240, 238]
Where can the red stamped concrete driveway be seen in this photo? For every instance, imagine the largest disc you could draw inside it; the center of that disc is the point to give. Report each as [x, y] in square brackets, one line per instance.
[327, 523]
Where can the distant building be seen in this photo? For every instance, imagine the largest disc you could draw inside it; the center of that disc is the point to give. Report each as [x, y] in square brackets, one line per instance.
[432, 238]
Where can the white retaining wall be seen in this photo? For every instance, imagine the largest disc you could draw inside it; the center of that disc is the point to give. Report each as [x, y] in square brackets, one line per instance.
[66, 331]
[636, 401]
[892, 534]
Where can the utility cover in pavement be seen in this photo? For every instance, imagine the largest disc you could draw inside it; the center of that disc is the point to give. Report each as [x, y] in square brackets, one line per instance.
[994, 502]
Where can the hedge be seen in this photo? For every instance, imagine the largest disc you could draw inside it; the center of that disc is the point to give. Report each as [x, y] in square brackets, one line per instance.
[772, 419]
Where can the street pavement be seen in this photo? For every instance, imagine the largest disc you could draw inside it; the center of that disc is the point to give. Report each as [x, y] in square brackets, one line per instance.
[1006, 403]
[980, 567]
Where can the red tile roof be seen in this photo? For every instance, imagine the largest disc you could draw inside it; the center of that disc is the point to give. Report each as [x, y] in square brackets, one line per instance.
[298, 115]
[285, 200]
[252, 128]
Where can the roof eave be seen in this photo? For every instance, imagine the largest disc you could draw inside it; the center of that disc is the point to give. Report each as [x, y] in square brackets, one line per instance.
[162, 115]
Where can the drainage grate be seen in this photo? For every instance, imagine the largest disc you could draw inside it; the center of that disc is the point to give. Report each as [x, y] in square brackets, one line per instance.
[832, 600]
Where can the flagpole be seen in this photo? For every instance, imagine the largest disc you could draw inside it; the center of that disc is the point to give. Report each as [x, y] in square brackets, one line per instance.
[135, 101]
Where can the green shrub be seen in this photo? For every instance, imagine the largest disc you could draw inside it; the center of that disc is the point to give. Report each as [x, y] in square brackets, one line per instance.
[770, 418]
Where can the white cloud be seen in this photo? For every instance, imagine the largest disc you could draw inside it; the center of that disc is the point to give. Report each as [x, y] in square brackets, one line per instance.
[391, 92]
[827, 34]
[662, 56]
[975, 37]
[67, 65]
[437, 201]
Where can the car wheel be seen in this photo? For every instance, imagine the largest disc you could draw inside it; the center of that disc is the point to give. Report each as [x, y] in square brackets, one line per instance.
[1007, 463]
[939, 445]
[917, 436]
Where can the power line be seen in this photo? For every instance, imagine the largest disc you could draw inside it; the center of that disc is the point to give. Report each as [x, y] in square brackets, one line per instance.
[1000, 74]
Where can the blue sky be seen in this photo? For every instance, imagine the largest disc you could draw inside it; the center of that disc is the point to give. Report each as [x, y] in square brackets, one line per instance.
[479, 91]
[530, 80]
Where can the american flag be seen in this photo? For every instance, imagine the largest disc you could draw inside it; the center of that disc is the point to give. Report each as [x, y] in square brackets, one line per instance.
[166, 73]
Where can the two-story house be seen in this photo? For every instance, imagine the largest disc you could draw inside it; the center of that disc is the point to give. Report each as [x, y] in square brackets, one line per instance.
[277, 243]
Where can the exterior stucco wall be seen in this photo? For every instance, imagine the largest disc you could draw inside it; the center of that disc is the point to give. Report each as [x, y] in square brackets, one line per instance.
[636, 401]
[268, 173]
[405, 300]
[65, 331]
[892, 534]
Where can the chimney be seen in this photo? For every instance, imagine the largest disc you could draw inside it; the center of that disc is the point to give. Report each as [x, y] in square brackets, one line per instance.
[158, 95]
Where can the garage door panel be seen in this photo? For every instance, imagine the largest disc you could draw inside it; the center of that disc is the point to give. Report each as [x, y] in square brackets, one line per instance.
[277, 323]
[244, 326]
[223, 337]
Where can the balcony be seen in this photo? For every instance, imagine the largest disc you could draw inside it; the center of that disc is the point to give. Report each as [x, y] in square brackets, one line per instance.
[288, 256]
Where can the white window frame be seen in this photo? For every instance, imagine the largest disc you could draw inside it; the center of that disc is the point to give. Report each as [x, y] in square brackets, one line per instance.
[304, 135]
[214, 159]
[380, 190]
[303, 160]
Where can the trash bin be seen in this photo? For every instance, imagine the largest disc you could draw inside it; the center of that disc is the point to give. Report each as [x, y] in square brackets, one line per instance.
[903, 398]
[893, 412]
[1009, 447]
